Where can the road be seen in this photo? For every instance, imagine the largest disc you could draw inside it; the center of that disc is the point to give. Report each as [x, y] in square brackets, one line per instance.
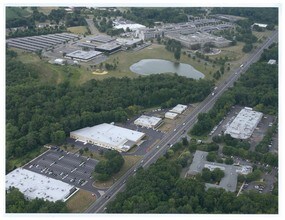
[91, 26]
[171, 137]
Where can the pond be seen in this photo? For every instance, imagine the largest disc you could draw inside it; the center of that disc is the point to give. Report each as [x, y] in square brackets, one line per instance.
[155, 66]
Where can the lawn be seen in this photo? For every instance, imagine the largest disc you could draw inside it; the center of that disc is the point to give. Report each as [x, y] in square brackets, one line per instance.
[154, 51]
[77, 29]
[46, 10]
[129, 162]
[80, 201]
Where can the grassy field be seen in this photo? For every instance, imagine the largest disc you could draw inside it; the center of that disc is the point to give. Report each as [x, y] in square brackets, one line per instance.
[80, 201]
[46, 10]
[129, 162]
[16, 12]
[155, 51]
[77, 29]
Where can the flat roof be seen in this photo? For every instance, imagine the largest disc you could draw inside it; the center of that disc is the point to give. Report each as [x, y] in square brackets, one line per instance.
[229, 181]
[244, 123]
[111, 135]
[147, 121]
[84, 55]
[102, 38]
[34, 185]
[170, 114]
[109, 46]
[179, 108]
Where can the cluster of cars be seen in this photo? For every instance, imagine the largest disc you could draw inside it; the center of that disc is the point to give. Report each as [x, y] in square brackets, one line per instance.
[259, 187]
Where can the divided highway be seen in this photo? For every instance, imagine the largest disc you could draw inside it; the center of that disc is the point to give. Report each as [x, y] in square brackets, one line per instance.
[170, 138]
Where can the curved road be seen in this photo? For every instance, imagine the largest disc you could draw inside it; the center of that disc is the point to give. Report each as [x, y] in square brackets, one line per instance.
[170, 138]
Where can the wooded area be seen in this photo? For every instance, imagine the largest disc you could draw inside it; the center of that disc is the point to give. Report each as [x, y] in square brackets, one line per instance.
[160, 190]
[38, 113]
[258, 88]
[17, 203]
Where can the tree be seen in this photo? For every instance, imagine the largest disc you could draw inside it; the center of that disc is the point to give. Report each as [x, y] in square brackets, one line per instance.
[177, 54]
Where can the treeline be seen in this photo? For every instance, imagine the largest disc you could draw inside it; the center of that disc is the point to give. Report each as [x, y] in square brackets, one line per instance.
[257, 88]
[261, 15]
[37, 31]
[147, 16]
[160, 190]
[17, 203]
[175, 47]
[37, 113]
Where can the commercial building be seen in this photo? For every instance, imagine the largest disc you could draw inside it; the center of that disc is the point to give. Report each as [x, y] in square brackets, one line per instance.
[244, 123]
[199, 39]
[109, 136]
[179, 109]
[170, 115]
[109, 47]
[148, 121]
[128, 42]
[228, 182]
[34, 185]
[84, 56]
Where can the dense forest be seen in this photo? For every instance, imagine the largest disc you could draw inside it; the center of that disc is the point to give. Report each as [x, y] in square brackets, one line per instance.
[147, 16]
[265, 15]
[160, 190]
[17, 203]
[38, 114]
[258, 88]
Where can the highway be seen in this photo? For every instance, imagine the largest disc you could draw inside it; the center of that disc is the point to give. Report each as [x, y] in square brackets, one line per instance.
[172, 137]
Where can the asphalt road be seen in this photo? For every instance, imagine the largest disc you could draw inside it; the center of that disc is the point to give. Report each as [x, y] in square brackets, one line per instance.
[170, 138]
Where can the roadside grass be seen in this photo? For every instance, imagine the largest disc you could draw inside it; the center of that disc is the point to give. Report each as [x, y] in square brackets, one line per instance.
[130, 161]
[80, 201]
[77, 29]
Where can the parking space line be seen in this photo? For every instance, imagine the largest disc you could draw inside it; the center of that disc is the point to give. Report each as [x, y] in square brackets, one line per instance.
[61, 157]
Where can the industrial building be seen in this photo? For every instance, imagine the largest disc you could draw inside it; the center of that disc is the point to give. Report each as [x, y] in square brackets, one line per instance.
[121, 23]
[170, 115]
[244, 123]
[127, 42]
[109, 136]
[179, 109]
[228, 182]
[148, 121]
[42, 42]
[34, 185]
[84, 56]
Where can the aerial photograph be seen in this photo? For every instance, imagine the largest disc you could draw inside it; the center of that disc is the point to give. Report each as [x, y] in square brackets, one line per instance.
[141, 110]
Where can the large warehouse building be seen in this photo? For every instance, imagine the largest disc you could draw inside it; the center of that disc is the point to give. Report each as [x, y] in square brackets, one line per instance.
[34, 185]
[244, 124]
[148, 121]
[109, 136]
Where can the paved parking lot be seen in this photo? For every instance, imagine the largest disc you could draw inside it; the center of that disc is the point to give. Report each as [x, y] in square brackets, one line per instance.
[65, 166]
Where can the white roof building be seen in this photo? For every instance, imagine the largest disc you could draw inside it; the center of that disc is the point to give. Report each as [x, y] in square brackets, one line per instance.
[260, 25]
[244, 124]
[34, 185]
[148, 121]
[132, 27]
[271, 62]
[109, 136]
[83, 55]
[179, 108]
[170, 115]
